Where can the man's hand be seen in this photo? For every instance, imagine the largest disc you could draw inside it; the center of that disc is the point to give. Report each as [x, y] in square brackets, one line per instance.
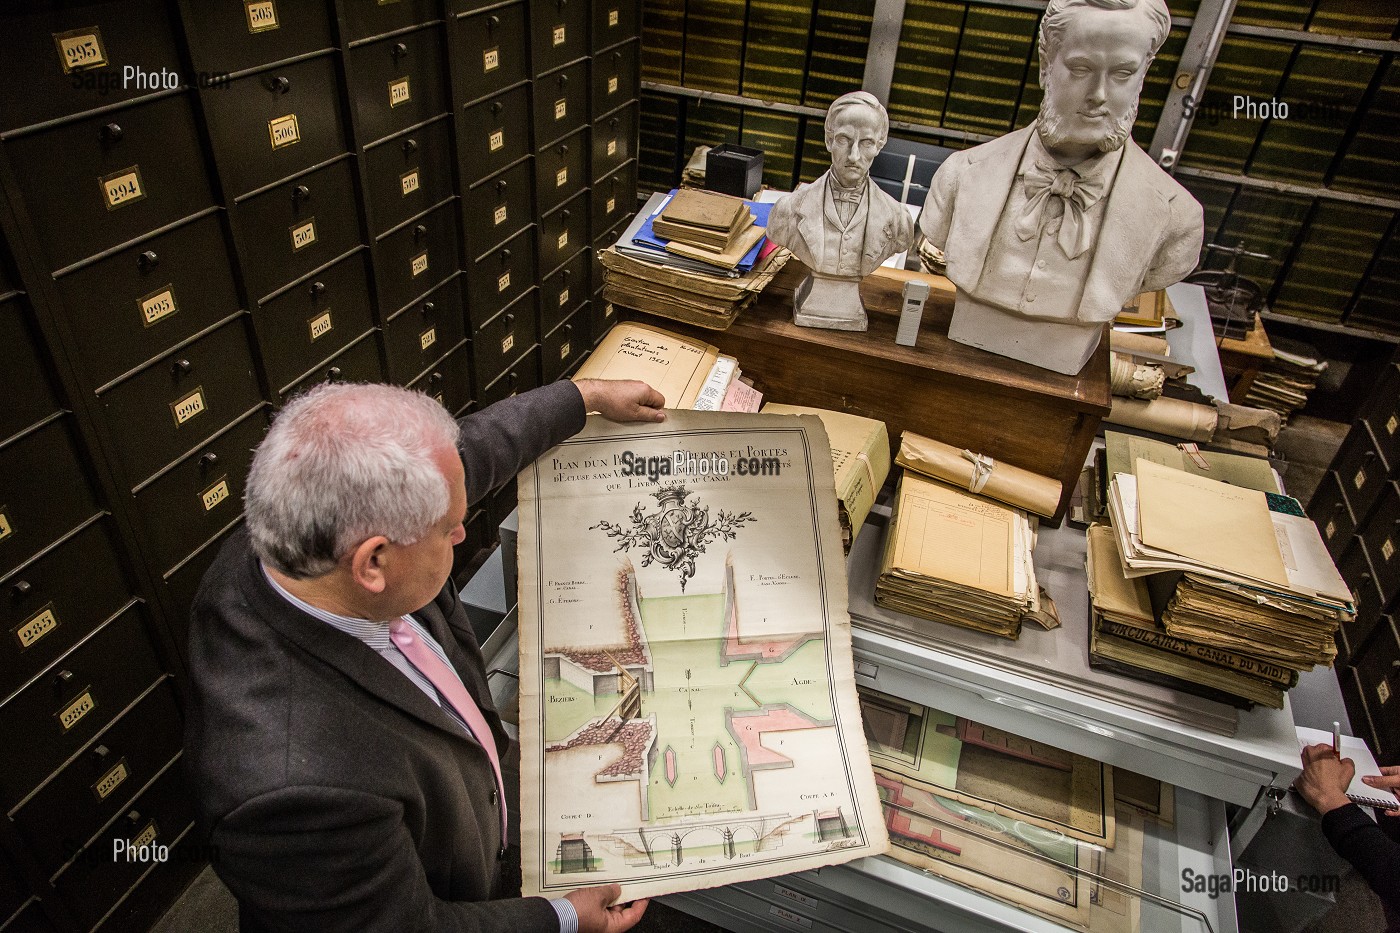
[596, 916]
[1389, 780]
[622, 399]
[1325, 778]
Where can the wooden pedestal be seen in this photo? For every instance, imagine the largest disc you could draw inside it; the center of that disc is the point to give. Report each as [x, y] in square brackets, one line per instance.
[1009, 410]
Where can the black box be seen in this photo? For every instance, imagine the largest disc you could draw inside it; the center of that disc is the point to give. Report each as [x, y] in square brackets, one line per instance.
[736, 170]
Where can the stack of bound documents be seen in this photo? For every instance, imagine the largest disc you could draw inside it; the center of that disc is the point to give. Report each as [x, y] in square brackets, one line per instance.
[954, 557]
[687, 373]
[1238, 579]
[700, 230]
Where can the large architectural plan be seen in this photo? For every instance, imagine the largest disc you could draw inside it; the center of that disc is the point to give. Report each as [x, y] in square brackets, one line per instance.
[687, 705]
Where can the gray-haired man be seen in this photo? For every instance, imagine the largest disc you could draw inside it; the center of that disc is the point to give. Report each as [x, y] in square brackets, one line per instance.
[340, 731]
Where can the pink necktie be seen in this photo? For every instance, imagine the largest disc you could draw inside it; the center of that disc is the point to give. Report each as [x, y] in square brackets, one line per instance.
[450, 686]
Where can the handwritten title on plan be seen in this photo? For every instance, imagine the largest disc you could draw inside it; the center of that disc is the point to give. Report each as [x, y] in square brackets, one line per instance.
[629, 469]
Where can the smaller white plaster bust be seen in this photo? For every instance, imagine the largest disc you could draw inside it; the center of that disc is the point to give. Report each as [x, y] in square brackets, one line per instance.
[842, 226]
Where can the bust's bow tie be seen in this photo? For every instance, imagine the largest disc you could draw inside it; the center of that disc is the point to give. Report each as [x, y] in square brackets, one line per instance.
[846, 194]
[1078, 194]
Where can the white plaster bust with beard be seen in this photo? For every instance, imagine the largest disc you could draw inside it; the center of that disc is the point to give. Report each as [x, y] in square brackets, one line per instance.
[1051, 229]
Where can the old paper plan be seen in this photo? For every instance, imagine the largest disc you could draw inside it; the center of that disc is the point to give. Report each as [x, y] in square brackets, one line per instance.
[688, 709]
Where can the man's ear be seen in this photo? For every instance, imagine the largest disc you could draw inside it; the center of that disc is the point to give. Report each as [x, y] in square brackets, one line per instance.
[367, 563]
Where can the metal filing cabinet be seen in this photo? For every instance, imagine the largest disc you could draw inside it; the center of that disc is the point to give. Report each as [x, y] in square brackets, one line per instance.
[318, 192]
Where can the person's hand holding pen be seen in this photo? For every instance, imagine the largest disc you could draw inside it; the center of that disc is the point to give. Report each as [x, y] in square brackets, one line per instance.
[1325, 778]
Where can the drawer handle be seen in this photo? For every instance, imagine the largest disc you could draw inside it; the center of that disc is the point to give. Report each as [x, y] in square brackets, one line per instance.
[428, 307]
[496, 107]
[101, 753]
[410, 145]
[563, 80]
[564, 216]
[280, 84]
[617, 57]
[317, 289]
[567, 273]
[510, 320]
[568, 330]
[512, 380]
[492, 22]
[300, 193]
[613, 123]
[133, 817]
[400, 51]
[563, 149]
[181, 367]
[147, 261]
[501, 187]
[505, 255]
[1369, 455]
[1365, 576]
[419, 231]
[111, 133]
[208, 460]
[435, 378]
[333, 374]
[21, 589]
[62, 679]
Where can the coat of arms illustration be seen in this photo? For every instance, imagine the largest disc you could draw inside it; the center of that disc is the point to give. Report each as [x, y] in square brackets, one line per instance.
[676, 534]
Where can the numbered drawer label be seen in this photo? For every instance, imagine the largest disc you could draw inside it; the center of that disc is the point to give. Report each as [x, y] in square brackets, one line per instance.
[612, 18]
[608, 309]
[564, 352]
[1391, 424]
[122, 188]
[1359, 479]
[189, 406]
[158, 306]
[145, 837]
[496, 140]
[419, 264]
[795, 896]
[563, 239]
[36, 627]
[612, 85]
[563, 298]
[6, 529]
[612, 205]
[427, 338]
[73, 713]
[1330, 530]
[561, 108]
[1383, 692]
[507, 342]
[284, 131]
[262, 15]
[561, 178]
[320, 325]
[782, 913]
[559, 35]
[612, 147]
[1387, 550]
[490, 60]
[110, 781]
[503, 282]
[408, 183]
[214, 495]
[80, 49]
[303, 235]
[399, 92]
[500, 215]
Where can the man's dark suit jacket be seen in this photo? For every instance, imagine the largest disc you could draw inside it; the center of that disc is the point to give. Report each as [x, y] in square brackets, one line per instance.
[338, 796]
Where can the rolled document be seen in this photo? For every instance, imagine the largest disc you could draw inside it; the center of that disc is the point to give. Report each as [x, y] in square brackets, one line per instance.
[1125, 342]
[1168, 416]
[1134, 379]
[979, 474]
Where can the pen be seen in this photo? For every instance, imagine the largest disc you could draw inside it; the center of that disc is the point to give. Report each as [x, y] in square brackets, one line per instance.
[1337, 738]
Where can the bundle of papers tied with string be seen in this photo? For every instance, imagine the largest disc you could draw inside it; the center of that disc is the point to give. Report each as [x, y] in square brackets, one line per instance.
[954, 557]
[1250, 573]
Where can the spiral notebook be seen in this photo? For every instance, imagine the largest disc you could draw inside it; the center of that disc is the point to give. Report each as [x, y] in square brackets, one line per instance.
[1360, 755]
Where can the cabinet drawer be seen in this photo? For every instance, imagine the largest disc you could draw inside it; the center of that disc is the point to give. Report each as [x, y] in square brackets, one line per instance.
[100, 182]
[94, 883]
[1362, 469]
[1385, 428]
[1382, 536]
[43, 612]
[504, 339]
[615, 198]
[1378, 670]
[449, 380]
[419, 335]
[561, 171]
[62, 59]
[494, 133]
[133, 306]
[626, 207]
[614, 140]
[197, 497]
[182, 582]
[498, 208]
[358, 362]
[225, 37]
[86, 689]
[307, 325]
[616, 78]
[1328, 508]
[1356, 569]
[562, 231]
[563, 290]
[494, 49]
[273, 124]
[603, 316]
[397, 83]
[295, 227]
[561, 102]
[174, 404]
[58, 821]
[416, 257]
[43, 492]
[366, 18]
[500, 277]
[408, 174]
[24, 379]
[615, 21]
[558, 33]
[564, 346]
[522, 376]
